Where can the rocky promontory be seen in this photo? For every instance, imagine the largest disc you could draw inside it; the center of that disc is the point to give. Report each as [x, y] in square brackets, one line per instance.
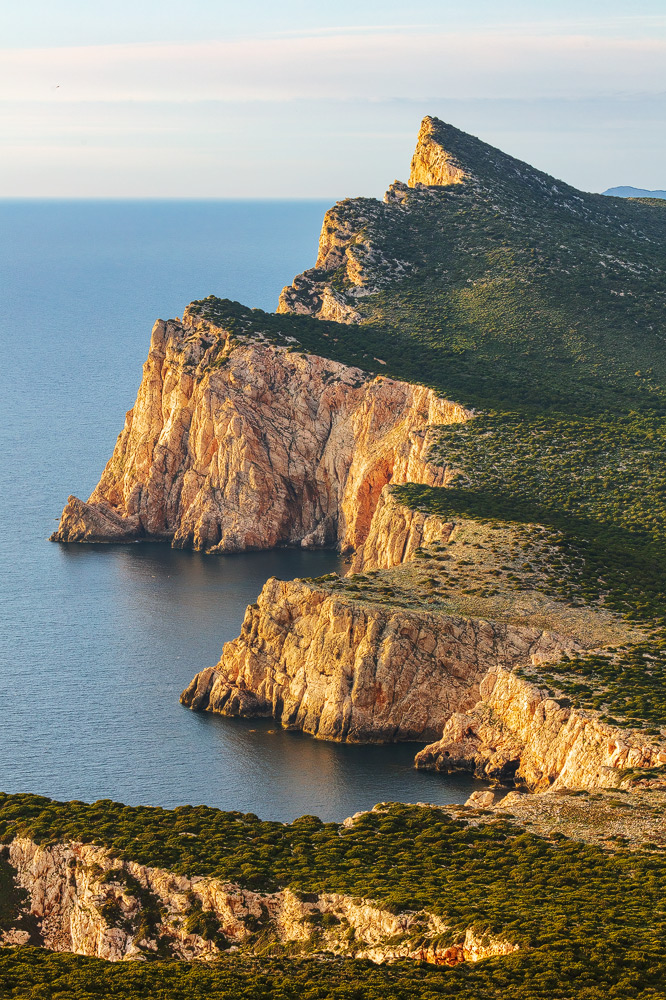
[340, 670]
[253, 432]
[239, 443]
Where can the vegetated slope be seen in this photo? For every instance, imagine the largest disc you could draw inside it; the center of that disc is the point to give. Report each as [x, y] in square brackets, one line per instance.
[542, 307]
[586, 919]
[513, 286]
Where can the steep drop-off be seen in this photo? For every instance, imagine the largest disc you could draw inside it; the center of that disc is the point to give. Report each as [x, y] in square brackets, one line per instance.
[341, 670]
[355, 258]
[518, 732]
[235, 445]
[245, 436]
[85, 900]
[517, 617]
[396, 533]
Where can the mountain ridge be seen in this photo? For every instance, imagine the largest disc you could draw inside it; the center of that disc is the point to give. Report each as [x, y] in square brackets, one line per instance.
[524, 554]
[633, 192]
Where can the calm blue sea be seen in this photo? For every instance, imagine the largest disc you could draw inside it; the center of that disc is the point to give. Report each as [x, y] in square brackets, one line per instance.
[96, 643]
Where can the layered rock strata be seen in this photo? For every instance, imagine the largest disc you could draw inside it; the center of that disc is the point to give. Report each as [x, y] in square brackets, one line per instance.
[396, 533]
[517, 732]
[236, 445]
[341, 670]
[88, 902]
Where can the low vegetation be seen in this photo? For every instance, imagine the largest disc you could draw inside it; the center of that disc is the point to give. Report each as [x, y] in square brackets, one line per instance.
[543, 309]
[33, 974]
[575, 909]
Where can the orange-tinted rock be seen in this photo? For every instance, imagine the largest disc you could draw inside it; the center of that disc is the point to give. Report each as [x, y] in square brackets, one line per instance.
[244, 445]
[518, 732]
[88, 902]
[396, 532]
[346, 671]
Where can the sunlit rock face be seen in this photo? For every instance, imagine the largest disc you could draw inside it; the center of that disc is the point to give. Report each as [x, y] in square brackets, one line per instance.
[356, 257]
[518, 732]
[81, 899]
[346, 671]
[431, 164]
[235, 445]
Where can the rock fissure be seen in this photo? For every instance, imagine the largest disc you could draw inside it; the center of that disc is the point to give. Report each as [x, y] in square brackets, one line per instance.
[297, 455]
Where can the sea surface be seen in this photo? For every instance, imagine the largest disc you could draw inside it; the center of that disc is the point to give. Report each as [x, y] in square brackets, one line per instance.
[97, 642]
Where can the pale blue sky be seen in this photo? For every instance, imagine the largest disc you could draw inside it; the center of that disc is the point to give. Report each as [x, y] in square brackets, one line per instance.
[258, 99]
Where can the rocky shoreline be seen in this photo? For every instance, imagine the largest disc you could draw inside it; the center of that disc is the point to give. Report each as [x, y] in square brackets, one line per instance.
[240, 439]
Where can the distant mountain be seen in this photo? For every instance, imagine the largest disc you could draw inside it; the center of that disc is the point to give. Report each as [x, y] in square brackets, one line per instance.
[631, 192]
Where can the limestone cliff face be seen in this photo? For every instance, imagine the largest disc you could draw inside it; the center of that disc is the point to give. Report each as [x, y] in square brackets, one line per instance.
[88, 902]
[236, 445]
[351, 248]
[396, 532]
[346, 671]
[518, 731]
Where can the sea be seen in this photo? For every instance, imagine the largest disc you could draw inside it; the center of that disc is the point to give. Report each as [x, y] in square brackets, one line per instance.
[97, 642]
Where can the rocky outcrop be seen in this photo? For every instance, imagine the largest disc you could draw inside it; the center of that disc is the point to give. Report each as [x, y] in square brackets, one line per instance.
[356, 256]
[342, 670]
[431, 164]
[396, 532]
[353, 248]
[241, 444]
[88, 902]
[518, 732]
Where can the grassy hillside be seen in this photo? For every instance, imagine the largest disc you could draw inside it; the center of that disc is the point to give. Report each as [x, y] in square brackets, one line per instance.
[587, 919]
[544, 308]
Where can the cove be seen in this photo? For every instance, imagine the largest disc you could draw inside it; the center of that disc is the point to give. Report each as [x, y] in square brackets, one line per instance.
[95, 711]
[96, 643]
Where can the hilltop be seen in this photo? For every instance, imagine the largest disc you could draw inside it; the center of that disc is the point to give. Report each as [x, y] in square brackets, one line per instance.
[466, 395]
[508, 285]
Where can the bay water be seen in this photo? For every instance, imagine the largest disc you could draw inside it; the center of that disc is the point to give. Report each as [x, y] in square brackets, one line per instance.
[97, 642]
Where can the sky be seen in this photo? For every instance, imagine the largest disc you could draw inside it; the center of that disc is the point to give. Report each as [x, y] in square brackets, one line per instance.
[257, 99]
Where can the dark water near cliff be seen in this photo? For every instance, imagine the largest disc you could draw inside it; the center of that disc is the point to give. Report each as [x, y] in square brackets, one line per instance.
[96, 643]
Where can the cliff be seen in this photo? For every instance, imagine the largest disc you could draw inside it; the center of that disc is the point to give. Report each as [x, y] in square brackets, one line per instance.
[384, 655]
[88, 902]
[518, 732]
[344, 670]
[244, 435]
[239, 443]
[358, 246]
[432, 164]
[352, 248]
[396, 532]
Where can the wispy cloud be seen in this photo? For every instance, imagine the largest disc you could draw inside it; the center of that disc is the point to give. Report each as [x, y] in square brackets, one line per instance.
[373, 65]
